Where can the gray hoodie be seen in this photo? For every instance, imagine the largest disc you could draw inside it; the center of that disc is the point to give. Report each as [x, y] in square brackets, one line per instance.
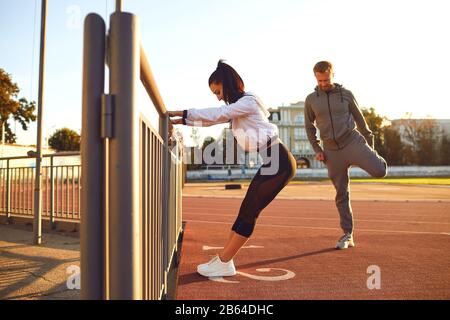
[334, 113]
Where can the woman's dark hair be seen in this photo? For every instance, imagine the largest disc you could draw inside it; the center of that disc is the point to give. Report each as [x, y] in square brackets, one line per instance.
[233, 86]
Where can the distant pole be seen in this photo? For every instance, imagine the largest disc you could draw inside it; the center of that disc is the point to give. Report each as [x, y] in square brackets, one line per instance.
[3, 131]
[37, 225]
[118, 5]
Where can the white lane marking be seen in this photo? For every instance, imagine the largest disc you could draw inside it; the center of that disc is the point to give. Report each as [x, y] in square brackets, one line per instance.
[221, 279]
[324, 228]
[330, 199]
[328, 219]
[288, 275]
[244, 247]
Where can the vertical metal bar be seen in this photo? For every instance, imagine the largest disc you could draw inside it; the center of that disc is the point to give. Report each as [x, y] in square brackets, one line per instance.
[67, 191]
[8, 191]
[143, 204]
[150, 213]
[25, 190]
[61, 189]
[27, 207]
[52, 193]
[20, 191]
[162, 232]
[37, 223]
[158, 219]
[3, 189]
[105, 229]
[79, 191]
[16, 194]
[164, 132]
[155, 169]
[56, 191]
[92, 219]
[149, 210]
[125, 233]
[44, 194]
[13, 191]
[118, 5]
[73, 193]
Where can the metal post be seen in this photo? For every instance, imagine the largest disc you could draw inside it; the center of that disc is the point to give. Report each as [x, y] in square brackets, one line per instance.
[92, 219]
[8, 191]
[118, 5]
[52, 194]
[124, 229]
[37, 224]
[164, 133]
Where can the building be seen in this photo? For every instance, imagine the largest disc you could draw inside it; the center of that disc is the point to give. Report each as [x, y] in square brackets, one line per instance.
[442, 126]
[16, 150]
[291, 126]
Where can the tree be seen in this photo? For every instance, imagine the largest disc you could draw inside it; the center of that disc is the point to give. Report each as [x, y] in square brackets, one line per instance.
[444, 150]
[208, 140]
[64, 139]
[376, 124]
[393, 150]
[422, 138]
[21, 110]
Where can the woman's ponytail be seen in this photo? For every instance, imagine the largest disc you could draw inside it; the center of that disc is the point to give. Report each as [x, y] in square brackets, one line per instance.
[232, 83]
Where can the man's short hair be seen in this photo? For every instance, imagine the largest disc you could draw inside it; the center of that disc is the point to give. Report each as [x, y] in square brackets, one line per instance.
[323, 66]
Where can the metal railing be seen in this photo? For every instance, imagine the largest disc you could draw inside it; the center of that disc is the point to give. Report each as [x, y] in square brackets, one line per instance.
[131, 197]
[61, 188]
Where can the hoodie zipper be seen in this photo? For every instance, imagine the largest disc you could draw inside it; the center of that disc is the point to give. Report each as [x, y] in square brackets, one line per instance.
[331, 118]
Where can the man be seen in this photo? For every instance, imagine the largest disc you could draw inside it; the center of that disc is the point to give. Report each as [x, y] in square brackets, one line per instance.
[334, 111]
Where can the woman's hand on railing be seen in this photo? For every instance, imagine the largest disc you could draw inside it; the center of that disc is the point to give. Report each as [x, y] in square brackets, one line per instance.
[175, 113]
[177, 121]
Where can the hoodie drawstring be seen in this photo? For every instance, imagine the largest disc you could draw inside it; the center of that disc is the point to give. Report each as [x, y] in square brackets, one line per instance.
[316, 89]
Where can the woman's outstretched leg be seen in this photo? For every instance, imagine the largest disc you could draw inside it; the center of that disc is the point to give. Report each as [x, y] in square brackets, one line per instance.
[234, 243]
[262, 190]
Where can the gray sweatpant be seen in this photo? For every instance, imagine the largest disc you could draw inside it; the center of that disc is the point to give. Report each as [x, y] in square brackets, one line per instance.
[356, 153]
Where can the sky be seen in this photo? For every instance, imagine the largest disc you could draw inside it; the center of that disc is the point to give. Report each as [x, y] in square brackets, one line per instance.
[391, 54]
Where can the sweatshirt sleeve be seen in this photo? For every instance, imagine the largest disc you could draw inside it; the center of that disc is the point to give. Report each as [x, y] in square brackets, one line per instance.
[210, 116]
[361, 123]
[311, 129]
[196, 123]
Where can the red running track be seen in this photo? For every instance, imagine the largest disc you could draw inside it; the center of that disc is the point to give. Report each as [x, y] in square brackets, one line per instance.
[402, 251]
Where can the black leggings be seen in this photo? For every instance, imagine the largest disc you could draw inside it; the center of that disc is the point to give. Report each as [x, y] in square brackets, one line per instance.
[264, 188]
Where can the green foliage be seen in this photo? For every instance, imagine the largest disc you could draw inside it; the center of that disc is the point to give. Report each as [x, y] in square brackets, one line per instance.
[21, 109]
[375, 123]
[64, 139]
[409, 141]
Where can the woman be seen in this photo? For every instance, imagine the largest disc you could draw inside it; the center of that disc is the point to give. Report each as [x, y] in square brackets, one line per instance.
[253, 132]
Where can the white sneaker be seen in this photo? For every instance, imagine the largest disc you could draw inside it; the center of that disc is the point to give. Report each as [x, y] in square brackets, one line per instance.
[345, 241]
[216, 268]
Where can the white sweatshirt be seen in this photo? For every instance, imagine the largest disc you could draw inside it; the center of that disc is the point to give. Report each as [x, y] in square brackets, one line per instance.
[249, 121]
